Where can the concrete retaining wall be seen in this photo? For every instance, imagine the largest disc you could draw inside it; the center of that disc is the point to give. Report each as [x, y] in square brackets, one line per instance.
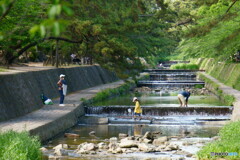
[20, 92]
[229, 75]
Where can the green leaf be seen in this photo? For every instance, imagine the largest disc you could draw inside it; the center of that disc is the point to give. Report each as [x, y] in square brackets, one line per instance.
[56, 29]
[67, 10]
[42, 30]
[52, 12]
[58, 9]
[34, 30]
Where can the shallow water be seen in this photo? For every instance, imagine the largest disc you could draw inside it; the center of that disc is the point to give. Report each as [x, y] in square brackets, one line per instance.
[187, 128]
[104, 132]
[165, 99]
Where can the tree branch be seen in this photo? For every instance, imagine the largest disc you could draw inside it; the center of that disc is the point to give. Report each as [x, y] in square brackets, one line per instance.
[63, 39]
[8, 10]
[21, 51]
[231, 6]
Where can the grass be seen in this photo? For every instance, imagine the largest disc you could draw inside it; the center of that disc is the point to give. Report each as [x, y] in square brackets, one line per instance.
[112, 92]
[229, 142]
[19, 146]
[228, 99]
[3, 69]
[189, 66]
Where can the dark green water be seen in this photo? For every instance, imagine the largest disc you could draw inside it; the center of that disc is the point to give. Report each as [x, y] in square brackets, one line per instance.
[154, 99]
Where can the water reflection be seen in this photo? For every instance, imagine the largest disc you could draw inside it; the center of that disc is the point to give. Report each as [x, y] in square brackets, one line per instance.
[161, 98]
[104, 132]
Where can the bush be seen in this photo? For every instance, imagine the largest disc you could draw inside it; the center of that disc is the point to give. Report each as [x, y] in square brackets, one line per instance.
[228, 142]
[19, 146]
[107, 93]
[189, 66]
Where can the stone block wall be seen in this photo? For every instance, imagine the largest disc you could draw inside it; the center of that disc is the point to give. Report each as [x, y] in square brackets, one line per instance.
[20, 92]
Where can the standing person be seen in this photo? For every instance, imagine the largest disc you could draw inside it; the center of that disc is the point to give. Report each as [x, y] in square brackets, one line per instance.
[137, 109]
[62, 88]
[183, 98]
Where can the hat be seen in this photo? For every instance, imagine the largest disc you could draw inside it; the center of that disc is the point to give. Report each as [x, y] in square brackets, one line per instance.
[62, 75]
[134, 99]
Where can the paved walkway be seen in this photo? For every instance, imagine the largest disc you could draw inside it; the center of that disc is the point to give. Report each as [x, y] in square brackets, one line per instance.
[224, 88]
[48, 115]
[230, 91]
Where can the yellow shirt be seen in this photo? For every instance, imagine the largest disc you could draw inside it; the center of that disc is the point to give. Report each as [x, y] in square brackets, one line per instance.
[138, 108]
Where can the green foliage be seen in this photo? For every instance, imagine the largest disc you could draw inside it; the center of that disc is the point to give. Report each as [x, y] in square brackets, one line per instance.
[228, 142]
[214, 87]
[107, 93]
[2, 69]
[189, 66]
[215, 33]
[227, 73]
[19, 146]
[118, 36]
[199, 86]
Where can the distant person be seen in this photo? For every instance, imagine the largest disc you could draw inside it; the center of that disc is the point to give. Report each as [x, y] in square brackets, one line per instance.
[137, 109]
[160, 65]
[62, 88]
[75, 59]
[183, 98]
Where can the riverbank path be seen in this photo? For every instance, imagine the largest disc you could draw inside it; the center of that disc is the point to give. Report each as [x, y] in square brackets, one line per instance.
[50, 113]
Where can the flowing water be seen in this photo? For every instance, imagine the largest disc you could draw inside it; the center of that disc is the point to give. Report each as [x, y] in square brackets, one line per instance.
[162, 99]
[195, 124]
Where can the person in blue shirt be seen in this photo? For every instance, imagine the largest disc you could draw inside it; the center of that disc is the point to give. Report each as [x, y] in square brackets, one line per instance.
[183, 98]
[60, 84]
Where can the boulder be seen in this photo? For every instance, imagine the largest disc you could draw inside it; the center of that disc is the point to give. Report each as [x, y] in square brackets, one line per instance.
[171, 147]
[87, 146]
[160, 148]
[60, 152]
[113, 146]
[128, 143]
[92, 133]
[43, 149]
[122, 135]
[61, 146]
[102, 145]
[160, 141]
[113, 140]
[117, 150]
[145, 140]
[145, 147]
[148, 135]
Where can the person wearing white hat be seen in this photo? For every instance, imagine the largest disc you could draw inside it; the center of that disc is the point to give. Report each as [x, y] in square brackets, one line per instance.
[137, 109]
[62, 88]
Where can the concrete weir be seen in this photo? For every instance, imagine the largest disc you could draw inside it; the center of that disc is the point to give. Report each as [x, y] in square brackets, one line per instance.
[170, 78]
[158, 111]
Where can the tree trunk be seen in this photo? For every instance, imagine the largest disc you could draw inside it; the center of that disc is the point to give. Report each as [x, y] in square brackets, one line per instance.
[57, 56]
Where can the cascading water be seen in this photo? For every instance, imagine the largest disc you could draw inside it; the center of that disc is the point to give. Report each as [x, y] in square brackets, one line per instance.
[161, 114]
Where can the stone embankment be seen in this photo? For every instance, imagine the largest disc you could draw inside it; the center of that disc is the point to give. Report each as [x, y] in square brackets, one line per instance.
[22, 102]
[226, 76]
[20, 92]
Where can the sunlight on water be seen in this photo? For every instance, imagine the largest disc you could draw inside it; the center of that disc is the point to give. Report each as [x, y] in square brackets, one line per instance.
[157, 100]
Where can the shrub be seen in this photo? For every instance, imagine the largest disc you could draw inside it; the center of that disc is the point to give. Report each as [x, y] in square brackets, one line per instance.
[228, 142]
[189, 66]
[107, 93]
[19, 146]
